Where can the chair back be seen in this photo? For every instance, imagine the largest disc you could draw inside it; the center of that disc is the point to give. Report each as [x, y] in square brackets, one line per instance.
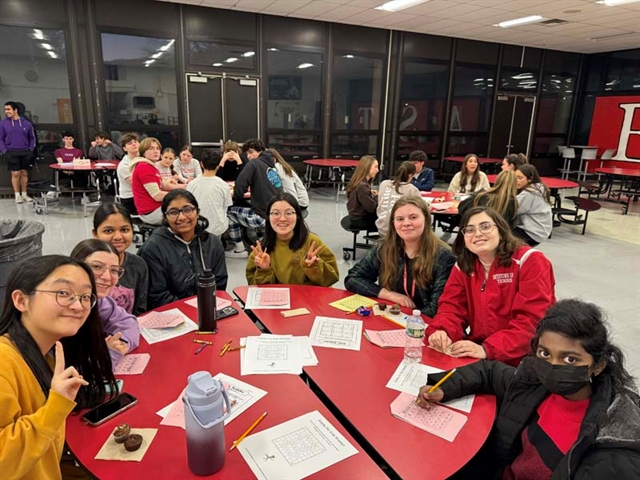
[589, 153]
[561, 149]
[568, 153]
[607, 154]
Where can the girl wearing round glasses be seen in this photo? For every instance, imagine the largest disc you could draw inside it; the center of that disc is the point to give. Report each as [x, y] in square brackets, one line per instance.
[181, 249]
[122, 329]
[499, 289]
[410, 265]
[112, 223]
[48, 325]
[289, 252]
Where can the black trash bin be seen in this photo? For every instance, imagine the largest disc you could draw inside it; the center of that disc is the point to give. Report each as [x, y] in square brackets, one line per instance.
[19, 240]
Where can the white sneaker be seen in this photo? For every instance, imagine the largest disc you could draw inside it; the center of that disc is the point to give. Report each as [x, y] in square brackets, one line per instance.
[27, 198]
[19, 199]
[235, 254]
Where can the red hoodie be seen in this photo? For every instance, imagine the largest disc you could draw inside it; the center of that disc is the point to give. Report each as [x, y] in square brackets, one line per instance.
[503, 311]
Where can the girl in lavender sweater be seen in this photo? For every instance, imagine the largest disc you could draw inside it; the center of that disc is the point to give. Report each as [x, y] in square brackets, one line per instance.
[122, 329]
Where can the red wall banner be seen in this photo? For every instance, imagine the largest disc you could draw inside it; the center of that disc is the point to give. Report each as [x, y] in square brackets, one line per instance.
[616, 125]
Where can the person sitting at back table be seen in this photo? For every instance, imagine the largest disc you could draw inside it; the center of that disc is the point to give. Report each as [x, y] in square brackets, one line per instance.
[232, 163]
[469, 179]
[570, 409]
[499, 289]
[361, 200]
[102, 148]
[130, 145]
[186, 167]
[121, 327]
[51, 345]
[502, 198]
[291, 182]
[168, 175]
[67, 154]
[535, 219]
[112, 223]
[290, 253]
[411, 265]
[424, 179]
[513, 161]
[146, 182]
[180, 250]
[391, 190]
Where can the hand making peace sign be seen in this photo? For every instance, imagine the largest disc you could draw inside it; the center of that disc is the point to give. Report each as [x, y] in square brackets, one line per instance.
[261, 258]
[312, 254]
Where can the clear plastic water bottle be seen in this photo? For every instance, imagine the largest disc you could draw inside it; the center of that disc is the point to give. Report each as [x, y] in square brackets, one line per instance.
[415, 337]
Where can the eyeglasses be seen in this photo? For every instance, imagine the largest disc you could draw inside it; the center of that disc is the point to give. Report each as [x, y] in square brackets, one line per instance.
[287, 214]
[175, 212]
[65, 298]
[484, 227]
[99, 268]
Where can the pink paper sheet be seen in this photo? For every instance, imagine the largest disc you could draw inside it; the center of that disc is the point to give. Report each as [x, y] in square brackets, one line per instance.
[175, 417]
[160, 320]
[220, 303]
[274, 297]
[440, 421]
[387, 338]
[132, 364]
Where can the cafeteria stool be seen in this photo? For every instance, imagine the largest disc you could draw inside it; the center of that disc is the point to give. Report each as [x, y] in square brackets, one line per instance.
[568, 154]
[368, 237]
[579, 204]
[588, 154]
[141, 231]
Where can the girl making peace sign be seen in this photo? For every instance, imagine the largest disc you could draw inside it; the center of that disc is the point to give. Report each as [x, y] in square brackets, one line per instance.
[289, 253]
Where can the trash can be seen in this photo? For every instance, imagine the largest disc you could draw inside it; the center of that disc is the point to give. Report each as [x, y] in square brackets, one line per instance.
[19, 240]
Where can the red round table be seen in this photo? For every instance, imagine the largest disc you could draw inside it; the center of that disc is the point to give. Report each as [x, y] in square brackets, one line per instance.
[92, 167]
[354, 381]
[619, 172]
[629, 186]
[435, 197]
[336, 179]
[551, 182]
[166, 376]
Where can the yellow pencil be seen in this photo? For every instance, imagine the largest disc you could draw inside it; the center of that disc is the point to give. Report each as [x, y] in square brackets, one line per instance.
[233, 349]
[433, 389]
[249, 430]
[225, 347]
[204, 342]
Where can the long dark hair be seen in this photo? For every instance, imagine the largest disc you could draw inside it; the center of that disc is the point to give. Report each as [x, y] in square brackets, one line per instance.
[475, 178]
[300, 230]
[534, 180]
[201, 225]
[87, 247]
[405, 170]
[86, 350]
[506, 247]
[361, 173]
[585, 322]
[105, 210]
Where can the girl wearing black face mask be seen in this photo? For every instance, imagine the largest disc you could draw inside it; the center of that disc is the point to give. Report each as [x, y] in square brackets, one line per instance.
[569, 411]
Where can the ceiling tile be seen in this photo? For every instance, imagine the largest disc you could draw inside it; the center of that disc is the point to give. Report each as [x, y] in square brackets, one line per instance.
[341, 13]
[365, 3]
[252, 5]
[283, 7]
[368, 15]
[476, 15]
[217, 3]
[547, 7]
[397, 18]
[442, 24]
[315, 8]
[487, 3]
[430, 7]
[455, 11]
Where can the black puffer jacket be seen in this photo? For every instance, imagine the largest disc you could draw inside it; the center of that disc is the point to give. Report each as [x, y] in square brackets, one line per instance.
[265, 182]
[608, 445]
[173, 265]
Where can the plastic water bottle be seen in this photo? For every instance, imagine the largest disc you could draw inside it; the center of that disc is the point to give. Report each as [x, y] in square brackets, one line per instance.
[204, 401]
[415, 337]
[207, 313]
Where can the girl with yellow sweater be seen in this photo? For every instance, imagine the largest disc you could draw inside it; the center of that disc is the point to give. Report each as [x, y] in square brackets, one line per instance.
[49, 325]
[289, 253]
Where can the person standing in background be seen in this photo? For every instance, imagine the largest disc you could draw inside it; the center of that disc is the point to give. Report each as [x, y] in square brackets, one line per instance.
[130, 144]
[17, 142]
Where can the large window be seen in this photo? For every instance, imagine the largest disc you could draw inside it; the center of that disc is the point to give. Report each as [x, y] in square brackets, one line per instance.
[357, 103]
[140, 81]
[33, 63]
[222, 55]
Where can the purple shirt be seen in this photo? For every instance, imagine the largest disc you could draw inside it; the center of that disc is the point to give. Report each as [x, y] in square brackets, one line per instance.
[115, 319]
[16, 135]
[68, 154]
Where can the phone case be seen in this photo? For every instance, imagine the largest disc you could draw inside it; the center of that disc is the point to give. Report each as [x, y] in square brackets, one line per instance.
[109, 417]
[226, 312]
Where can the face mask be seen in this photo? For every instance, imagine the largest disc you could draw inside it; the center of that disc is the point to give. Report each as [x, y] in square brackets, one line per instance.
[560, 379]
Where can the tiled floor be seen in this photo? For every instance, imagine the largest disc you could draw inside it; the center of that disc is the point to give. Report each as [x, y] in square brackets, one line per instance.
[602, 266]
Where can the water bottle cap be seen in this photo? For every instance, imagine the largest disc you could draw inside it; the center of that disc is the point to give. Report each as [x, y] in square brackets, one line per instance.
[203, 389]
[417, 312]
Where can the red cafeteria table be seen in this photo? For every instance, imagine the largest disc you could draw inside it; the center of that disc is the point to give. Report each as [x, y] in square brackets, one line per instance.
[630, 185]
[335, 178]
[354, 382]
[162, 381]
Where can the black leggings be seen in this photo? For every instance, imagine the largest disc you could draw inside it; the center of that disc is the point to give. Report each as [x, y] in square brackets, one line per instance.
[520, 233]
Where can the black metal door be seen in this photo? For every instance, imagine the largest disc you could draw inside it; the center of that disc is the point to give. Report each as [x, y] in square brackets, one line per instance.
[502, 120]
[206, 125]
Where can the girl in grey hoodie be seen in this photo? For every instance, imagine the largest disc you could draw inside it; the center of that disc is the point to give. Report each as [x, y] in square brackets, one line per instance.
[535, 220]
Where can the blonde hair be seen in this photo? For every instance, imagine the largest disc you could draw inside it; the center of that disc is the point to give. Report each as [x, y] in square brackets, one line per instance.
[503, 194]
[230, 146]
[361, 173]
[146, 144]
[288, 169]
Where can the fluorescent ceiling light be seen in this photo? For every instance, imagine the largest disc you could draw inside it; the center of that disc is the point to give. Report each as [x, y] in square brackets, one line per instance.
[272, 49]
[348, 56]
[397, 5]
[37, 33]
[613, 3]
[248, 54]
[217, 64]
[46, 46]
[305, 65]
[149, 62]
[520, 21]
[167, 46]
[522, 76]
[231, 60]
[52, 54]
[157, 55]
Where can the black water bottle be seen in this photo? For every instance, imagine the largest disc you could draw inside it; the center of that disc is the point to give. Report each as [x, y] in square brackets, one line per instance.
[207, 314]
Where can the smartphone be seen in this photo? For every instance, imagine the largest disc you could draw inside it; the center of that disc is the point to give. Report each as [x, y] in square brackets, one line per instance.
[226, 312]
[108, 410]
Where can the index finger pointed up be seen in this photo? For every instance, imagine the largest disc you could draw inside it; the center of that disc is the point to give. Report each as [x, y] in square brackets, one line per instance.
[59, 366]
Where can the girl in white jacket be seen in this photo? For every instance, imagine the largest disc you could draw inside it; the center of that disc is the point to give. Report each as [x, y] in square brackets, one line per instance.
[392, 190]
[291, 182]
[535, 220]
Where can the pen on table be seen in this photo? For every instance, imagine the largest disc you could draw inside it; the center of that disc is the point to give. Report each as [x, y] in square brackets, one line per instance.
[249, 430]
[233, 349]
[123, 340]
[202, 347]
[442, 380]
[205, 333]
[225, 347]
[204, 342]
